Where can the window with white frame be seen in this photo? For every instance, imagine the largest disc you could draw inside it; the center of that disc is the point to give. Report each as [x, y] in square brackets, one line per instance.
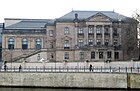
[66, 55]
[98, 41]
[98, 29]
[90, 41]
[66, 30]
[90, 30]
[106, 42]
[66, 43]
[80, 31]
[115, 41]
[81, 42]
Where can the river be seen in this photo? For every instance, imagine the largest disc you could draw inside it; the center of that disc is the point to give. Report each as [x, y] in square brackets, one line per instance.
[50, 89]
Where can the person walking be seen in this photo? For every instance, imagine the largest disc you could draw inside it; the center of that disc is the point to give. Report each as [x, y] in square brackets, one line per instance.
[5, 67]
[20, 67]
[90, 68]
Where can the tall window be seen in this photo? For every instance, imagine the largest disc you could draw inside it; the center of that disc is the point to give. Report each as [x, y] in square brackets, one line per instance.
[24, 43]
[106, 42]
[109, 54]
[115, 30]
[92, 55]
[80, 42]
[51, 45]
[66, 30]
[38, 43]
[115, 41]
[80, 31]
[81, 55]
[66, 55]
[98, 42]
[90, 30]
[10, 43]
[106, 29]
[51, 56]
[51, 33]
[101, 55]
[66, 44]
[98, 29]
[90, 42]
[116, 55]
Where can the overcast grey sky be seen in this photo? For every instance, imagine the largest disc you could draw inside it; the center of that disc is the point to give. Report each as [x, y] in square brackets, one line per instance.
[50, 9]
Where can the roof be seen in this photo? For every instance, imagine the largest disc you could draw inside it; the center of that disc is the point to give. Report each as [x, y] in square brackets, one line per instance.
[30, 23]
[86, 14]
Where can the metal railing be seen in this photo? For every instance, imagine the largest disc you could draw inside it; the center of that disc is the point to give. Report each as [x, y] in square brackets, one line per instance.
[72, 69]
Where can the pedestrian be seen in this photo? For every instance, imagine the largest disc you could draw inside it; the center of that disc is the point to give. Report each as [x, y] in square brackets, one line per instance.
[20, 67]
[5, 67]
[90, 68]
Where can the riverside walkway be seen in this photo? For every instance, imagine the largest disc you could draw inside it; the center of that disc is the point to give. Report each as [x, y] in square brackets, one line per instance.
[100, 67]
[73, 69]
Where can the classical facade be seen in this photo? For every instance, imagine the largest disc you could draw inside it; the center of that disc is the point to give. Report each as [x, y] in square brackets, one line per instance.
[76, 36]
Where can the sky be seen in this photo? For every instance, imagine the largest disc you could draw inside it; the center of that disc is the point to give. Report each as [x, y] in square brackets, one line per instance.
[51, 9]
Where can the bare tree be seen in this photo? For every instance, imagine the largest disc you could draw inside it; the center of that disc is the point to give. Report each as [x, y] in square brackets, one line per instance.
[136, 16]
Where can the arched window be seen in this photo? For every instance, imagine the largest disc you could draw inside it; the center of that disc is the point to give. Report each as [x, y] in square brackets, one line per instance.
[24, 43]
[10, 43]
[38, 43]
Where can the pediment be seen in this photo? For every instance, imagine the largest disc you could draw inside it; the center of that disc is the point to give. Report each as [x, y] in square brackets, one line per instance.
[99, 17]
[66, 38]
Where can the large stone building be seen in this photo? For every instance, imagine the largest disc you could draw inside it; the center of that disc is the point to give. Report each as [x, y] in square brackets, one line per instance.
[76, 36]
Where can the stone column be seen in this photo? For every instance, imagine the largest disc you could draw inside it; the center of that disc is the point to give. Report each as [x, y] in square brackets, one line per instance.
[95, 35]
[119, 32]
[103, 39]
[111, 35]
[76, 29]
[86, 35]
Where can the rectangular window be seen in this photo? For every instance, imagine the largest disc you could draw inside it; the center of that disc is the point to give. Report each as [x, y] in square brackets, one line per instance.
[98, 29]
[51, 56]
[92, 55]
[101, 55]
[66, 44]
[80, 42]
[116, 55]
[115, 41]
[90, 42]
[98, 42]
[51, 45]
[80, 31]
[51, 33]
[66, 55]
[90, 30]
[66, 30]
[109, 54]
[81, 55]
[106, 42]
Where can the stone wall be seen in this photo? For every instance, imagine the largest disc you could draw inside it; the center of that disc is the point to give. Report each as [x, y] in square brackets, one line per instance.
[81, 80]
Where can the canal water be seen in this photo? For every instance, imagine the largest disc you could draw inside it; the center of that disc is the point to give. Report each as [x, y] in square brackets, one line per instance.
[49, 89]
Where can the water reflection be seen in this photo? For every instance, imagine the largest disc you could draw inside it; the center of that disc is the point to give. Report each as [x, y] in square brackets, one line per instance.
[49, 89]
